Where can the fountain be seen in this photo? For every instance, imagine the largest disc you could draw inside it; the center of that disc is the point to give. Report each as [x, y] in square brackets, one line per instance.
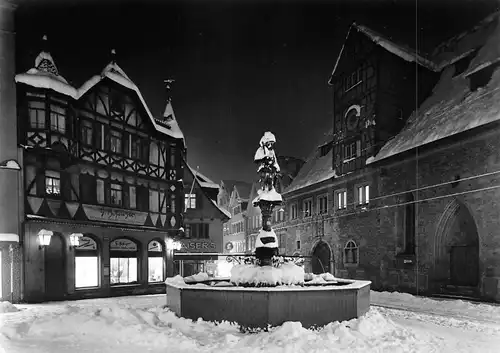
[268, 292]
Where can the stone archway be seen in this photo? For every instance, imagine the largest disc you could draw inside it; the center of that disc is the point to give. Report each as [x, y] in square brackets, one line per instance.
[321, 258]
[456, 247]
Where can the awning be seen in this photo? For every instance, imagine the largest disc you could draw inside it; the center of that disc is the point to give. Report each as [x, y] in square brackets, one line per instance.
[9, 237]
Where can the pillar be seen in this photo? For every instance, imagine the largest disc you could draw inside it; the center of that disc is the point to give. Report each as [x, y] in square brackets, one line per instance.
[10, 180]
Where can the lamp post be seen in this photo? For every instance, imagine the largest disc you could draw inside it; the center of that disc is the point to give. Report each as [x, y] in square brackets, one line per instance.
[266, 245]
[74, 239]
[44, 238]
[171, 245]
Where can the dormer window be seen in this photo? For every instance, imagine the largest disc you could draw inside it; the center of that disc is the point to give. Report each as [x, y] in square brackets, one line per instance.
[352, 150]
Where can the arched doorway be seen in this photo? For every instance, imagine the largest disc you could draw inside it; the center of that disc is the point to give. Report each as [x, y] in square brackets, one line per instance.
[55, 268]
[457, 247]
[321, 258]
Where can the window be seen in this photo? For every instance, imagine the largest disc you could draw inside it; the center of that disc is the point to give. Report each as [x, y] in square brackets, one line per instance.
[351, 253]
[297, 244]
[352, 150]
[155, 262]
[323, 204]
[116, 141]
[136, 147]
[133, 197]
[341, 199]
[57, 118]
[37, 114]
[353, 79]
[99, 136]
[236, 210]
[86, 132]
[154, 200]
[163, 202]
[190, 200]
[198, 230]
[237, 227]
[323, 150]
[52, 183]
[282, 243]
[100, 191]
[116, 194]
[409, 224]
[123, 261]
[86, 263]
[307, 208]
[293, 211]
[363, 194]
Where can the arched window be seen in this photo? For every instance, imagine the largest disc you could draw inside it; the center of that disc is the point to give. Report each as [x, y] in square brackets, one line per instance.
[410, 224]
[155, 262]
[123, 262]
[351, 253]
[86, 263]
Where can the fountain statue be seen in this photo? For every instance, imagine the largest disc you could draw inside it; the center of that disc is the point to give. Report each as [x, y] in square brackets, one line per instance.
[263, 273]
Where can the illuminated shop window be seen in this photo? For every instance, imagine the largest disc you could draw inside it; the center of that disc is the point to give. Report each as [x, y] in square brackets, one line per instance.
[123, 261]
[155, 262]
[86, 263]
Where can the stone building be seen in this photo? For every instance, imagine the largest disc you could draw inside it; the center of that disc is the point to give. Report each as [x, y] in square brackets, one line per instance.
[405, 197]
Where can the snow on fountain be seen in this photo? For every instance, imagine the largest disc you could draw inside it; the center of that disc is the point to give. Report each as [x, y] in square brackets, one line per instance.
[266, 245]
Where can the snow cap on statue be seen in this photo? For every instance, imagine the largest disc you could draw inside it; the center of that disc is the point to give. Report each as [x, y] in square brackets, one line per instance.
[266, 239]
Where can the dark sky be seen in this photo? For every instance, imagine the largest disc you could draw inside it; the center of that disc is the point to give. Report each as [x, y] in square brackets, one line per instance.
[241, 67]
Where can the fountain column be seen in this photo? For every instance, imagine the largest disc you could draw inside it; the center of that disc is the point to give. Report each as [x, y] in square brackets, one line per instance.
[266, 245]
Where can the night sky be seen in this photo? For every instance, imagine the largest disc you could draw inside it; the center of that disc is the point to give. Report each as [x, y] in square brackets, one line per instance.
[241, 67]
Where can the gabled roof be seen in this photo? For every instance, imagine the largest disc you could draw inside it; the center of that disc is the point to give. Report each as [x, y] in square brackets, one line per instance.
[316, 169]
[404, 52]
[203, 180]
[45, 75]
[226, 215]
[453, 108]
[242, 187]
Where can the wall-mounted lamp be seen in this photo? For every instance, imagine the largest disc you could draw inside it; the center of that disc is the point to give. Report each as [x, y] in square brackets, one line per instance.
[44, 238]
[74, 239]
[173, 245]
[11, 164]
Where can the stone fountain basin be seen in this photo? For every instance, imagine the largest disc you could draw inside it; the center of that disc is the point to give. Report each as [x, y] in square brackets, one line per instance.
[253, 307]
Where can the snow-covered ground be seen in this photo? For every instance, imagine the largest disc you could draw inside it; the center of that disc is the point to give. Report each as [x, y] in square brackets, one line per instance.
[396, 323]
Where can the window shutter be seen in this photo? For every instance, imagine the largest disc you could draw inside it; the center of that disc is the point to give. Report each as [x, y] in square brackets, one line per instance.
[65, 186]
[40, 183]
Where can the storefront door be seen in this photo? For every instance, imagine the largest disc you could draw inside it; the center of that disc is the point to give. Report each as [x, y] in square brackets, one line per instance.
[55, 269]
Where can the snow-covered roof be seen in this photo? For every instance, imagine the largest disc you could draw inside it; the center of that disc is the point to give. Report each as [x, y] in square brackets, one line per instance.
[404, 52]
[224, 212]
[45, 75]
[203, 180]
[453, 107]
[316, 169]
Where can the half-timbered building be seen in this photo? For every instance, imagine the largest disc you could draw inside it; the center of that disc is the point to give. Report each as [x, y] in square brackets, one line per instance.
[97, 166]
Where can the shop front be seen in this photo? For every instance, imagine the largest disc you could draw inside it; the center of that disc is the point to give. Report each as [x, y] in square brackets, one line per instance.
[104, 261]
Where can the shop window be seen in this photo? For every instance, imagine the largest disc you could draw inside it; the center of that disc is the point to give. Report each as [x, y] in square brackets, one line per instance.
[86, 263]
[155, 262]
[351, 253]
[37, 114]
[123, 261]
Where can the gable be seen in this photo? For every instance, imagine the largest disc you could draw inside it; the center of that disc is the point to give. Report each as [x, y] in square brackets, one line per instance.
[115, 103]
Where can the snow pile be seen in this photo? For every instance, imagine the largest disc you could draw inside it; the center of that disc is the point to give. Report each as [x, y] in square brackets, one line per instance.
[201, 276]
[7, 307]
[322, 278]
[267, 195]
[176, 281]
[253, 275]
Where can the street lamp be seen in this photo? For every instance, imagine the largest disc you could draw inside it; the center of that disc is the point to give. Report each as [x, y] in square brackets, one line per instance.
[11, 164]
[44, 238]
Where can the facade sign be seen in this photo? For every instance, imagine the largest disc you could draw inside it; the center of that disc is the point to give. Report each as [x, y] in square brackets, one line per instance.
[123, 245]
[86, 243]
[229, 246]
[154, 246]
[198, 245]
[109, 214]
